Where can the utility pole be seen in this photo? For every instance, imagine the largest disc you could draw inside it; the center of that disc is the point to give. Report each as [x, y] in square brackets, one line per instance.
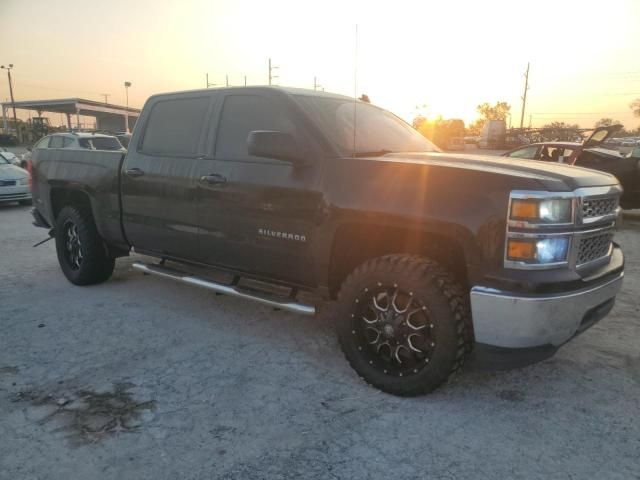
[126, 114]
[106, 97]
[226, 80]
[245, 80]
[524, 96]
[271, 69]
[13, 102]
[210, 84]
[316, 85]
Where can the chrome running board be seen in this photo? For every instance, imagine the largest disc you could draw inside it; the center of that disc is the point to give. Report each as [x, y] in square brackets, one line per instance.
[232, 290]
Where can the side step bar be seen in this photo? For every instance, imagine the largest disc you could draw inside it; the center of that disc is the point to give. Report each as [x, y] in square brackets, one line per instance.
[230, 290]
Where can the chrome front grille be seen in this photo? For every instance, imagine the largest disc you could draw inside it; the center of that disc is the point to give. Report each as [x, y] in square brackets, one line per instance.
[594, 247]
[599, 207]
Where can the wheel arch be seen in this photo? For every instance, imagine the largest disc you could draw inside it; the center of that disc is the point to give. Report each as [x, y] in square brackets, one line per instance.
[63, 196]
[354, 244]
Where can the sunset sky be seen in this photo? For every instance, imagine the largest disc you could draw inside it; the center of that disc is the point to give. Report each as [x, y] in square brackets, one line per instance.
[449, 56]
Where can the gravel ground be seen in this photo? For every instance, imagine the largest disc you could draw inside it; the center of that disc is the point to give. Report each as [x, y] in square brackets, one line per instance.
[144, 378]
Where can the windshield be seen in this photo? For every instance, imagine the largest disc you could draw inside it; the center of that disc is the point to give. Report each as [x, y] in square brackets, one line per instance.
[377, 131]
[3, 161]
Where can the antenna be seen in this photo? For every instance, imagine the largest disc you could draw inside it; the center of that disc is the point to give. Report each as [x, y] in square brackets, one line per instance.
[355, 89]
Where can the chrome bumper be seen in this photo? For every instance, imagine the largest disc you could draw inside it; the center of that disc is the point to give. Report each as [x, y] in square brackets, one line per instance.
[510, 320]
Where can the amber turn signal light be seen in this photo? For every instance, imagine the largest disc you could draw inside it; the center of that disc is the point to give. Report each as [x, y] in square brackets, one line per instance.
[524, 209]
[521, 249]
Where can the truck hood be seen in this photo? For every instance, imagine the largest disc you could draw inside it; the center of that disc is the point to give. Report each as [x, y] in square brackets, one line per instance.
[553, 176]
[11, 172]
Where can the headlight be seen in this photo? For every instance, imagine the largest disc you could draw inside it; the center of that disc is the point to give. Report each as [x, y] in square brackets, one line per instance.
[542, 211]
[23, 181]
[540, 251]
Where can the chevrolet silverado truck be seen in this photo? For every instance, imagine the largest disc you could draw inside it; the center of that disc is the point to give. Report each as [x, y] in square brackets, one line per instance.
[292, 197]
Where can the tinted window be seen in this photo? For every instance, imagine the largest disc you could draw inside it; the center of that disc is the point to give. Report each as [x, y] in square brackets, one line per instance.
[66, 142]
[174, 126]
[106, 143]
[243, 114]
[376, 129]
[528, 152]
[56, 142]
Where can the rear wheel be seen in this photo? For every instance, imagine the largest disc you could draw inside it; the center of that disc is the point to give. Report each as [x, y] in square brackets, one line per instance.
[404, 324]
[81, 253]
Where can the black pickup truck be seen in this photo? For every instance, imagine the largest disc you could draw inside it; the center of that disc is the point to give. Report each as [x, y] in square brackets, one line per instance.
[288, 197]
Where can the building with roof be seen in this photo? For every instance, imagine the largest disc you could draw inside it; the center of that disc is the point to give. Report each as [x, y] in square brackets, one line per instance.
[108, 116]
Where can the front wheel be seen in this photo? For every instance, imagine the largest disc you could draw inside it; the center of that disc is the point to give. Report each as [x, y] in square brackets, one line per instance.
[403, 324]
[81, 253]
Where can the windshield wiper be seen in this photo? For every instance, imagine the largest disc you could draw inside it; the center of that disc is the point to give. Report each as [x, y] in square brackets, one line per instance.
[375, 153]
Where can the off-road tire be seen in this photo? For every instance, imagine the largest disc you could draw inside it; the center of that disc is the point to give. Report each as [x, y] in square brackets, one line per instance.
[448, 310]
[96, 266]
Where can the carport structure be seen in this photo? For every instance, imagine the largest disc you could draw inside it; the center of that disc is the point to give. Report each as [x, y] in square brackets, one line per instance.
[108, 116]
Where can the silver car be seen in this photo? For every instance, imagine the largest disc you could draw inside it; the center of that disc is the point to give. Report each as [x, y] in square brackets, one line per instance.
[14, 183]
[80, 140]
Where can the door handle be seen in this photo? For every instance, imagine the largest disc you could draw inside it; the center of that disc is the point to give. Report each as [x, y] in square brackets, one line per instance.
[213, 179]
[134, 172]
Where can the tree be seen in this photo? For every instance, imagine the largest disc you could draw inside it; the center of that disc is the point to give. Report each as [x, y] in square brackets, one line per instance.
[606, 122]
[635, 106]
[561, 131]
[499, 111]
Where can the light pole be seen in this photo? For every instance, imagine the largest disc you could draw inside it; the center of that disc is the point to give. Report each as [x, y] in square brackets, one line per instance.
[13, 103]
[126, 112]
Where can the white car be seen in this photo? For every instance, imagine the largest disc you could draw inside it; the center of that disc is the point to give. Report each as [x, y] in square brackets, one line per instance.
[80, 140]
[10, 157]
[14, 182]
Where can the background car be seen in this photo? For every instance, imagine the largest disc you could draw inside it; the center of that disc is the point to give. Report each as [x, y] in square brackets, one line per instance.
[8, 139]
[14, 183]
[80, 140]
[124, 139]
[10, 157]
[590, 154]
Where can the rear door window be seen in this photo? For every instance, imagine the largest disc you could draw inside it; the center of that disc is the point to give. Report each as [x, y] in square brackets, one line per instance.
[175, 127]
[56, 142]
[44, 143]
[243, 114]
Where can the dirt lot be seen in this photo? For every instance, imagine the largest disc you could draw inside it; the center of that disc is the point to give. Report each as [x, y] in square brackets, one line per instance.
[143, 378]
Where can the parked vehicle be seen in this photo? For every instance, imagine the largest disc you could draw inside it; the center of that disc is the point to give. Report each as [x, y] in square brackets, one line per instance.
[429, 256]
[590, 154]
[80, 140]
[14, 183]
[493, 134]
[8, 139]
[124, 139]
[9, 157]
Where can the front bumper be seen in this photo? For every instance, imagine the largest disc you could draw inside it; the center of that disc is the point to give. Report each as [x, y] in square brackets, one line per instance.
[15, 193]
[518, 321]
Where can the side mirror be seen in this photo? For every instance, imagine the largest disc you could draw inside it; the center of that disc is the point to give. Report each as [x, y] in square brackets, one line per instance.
[278, 145]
